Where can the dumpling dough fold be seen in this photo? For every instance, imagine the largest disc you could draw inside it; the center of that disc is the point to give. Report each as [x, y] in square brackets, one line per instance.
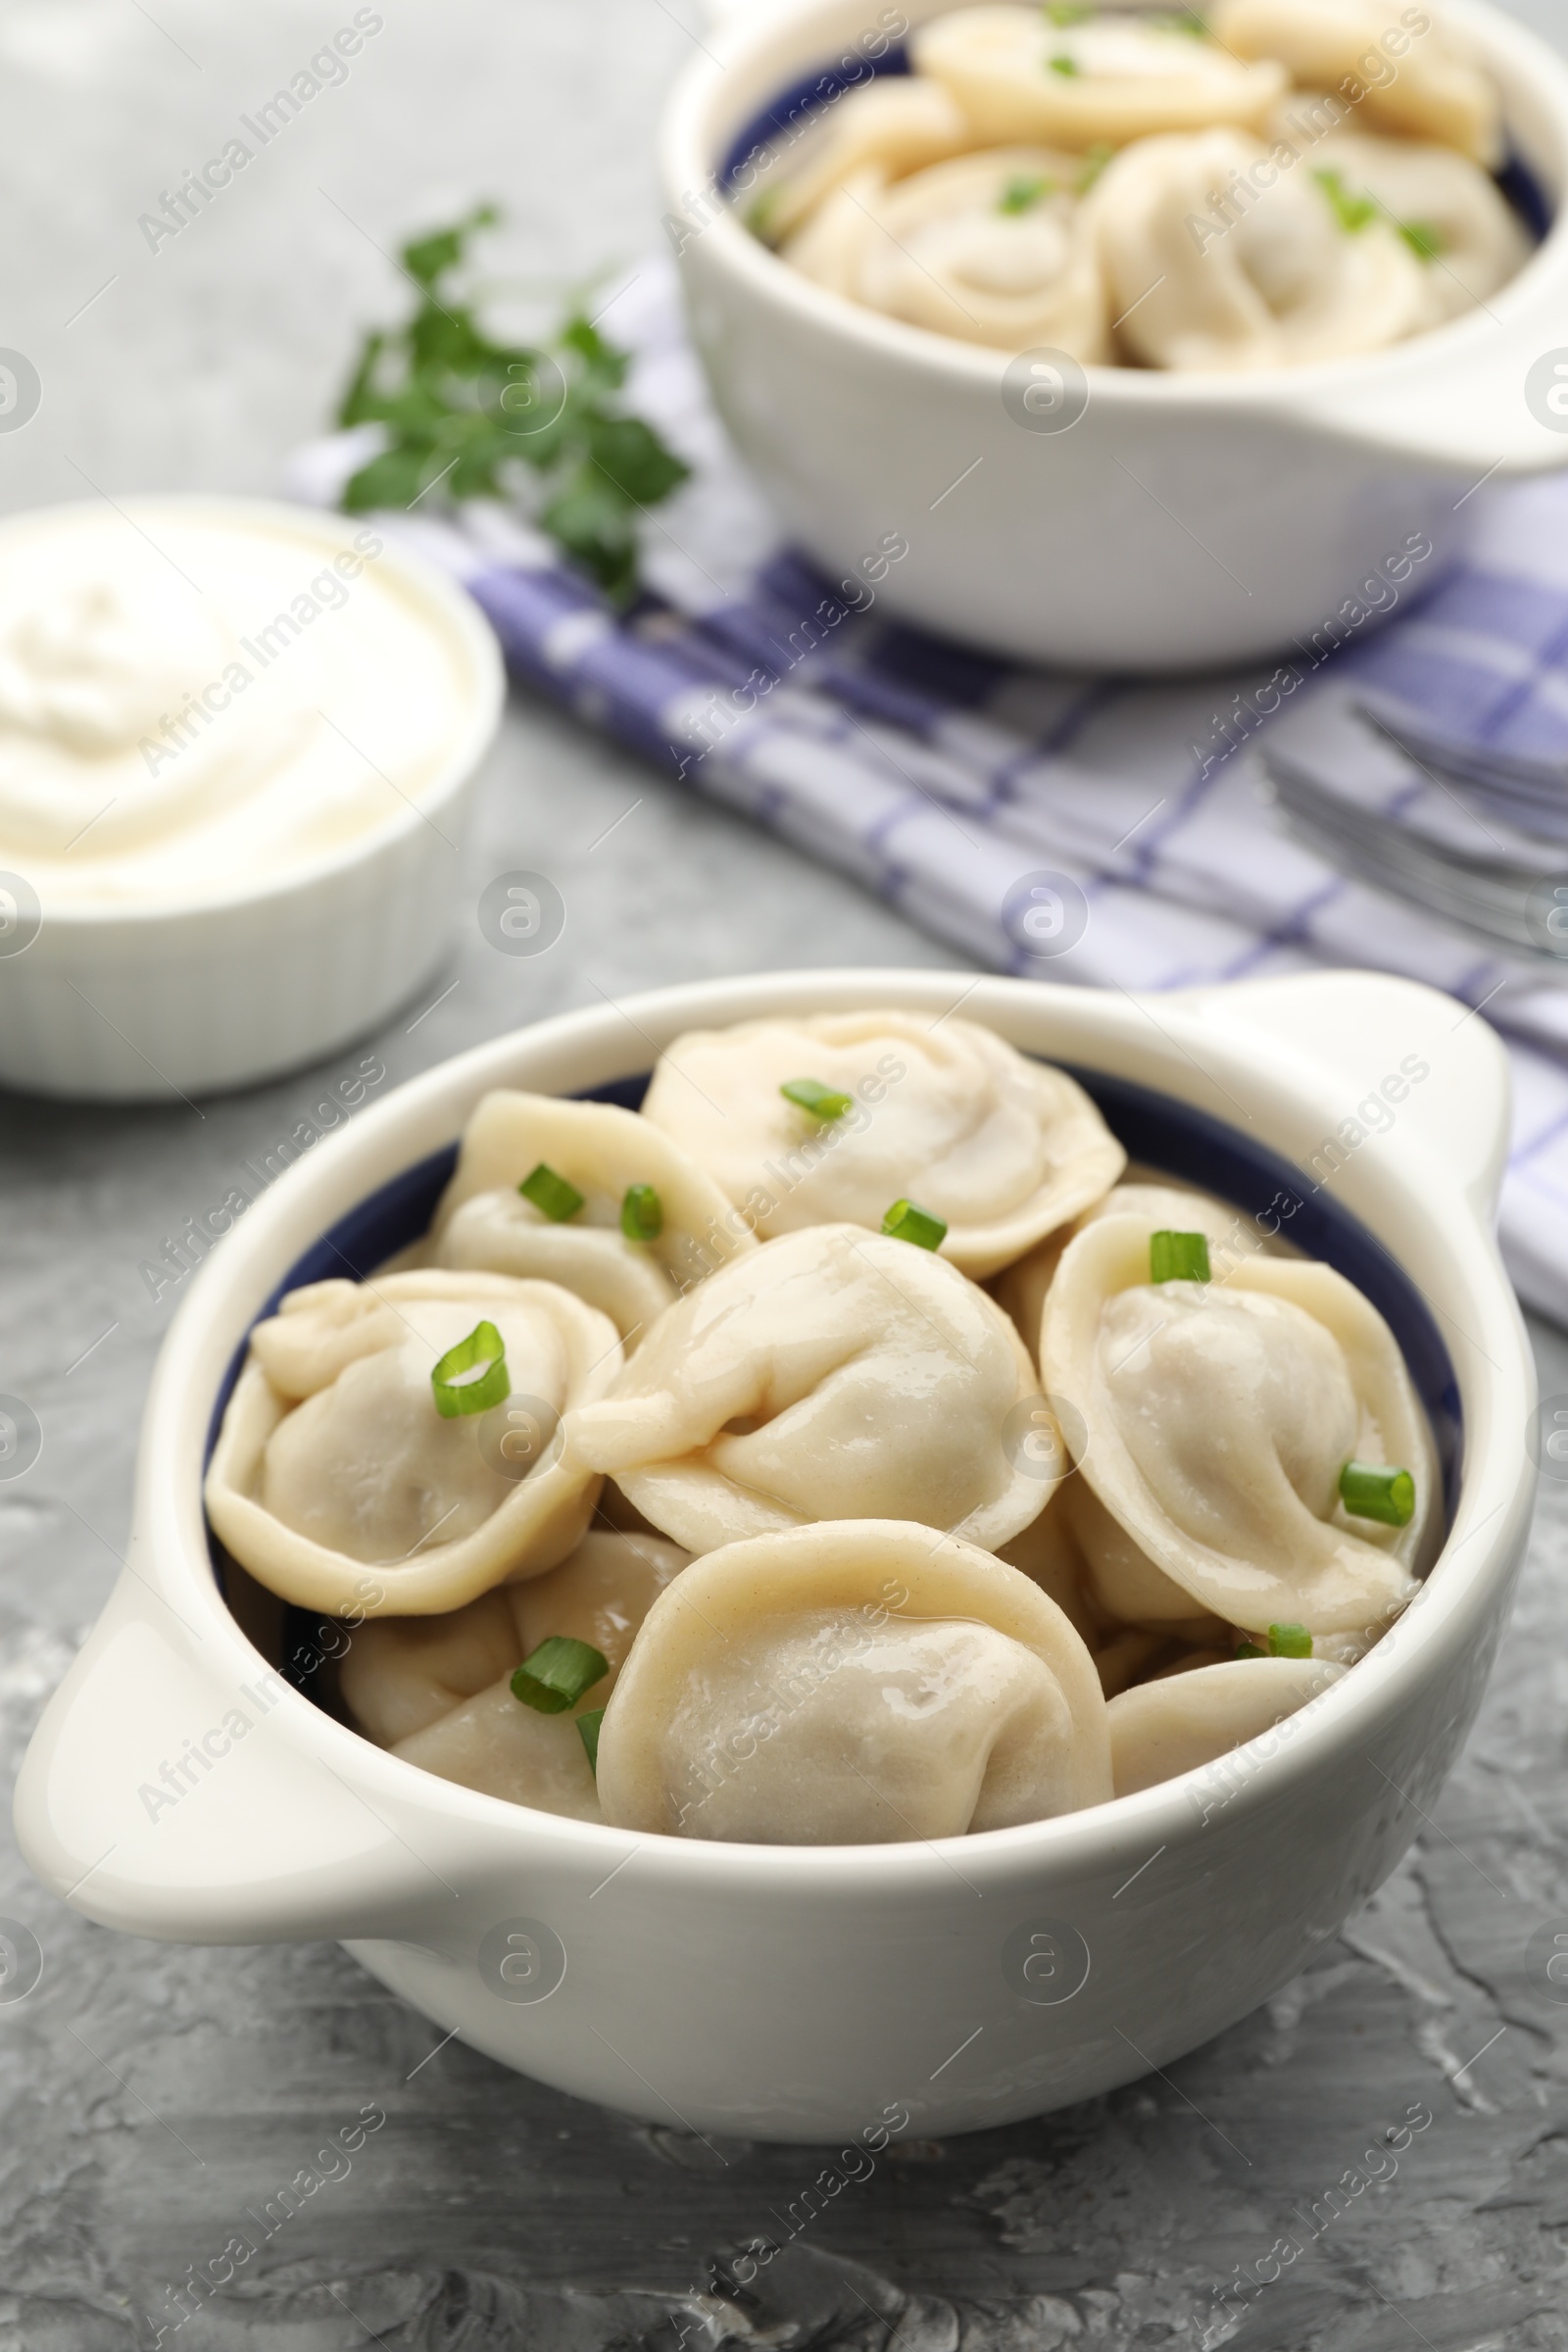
[1414, 74]
[832, 1374]
[1182, 1721]
[851, 1685]
[340, 1487]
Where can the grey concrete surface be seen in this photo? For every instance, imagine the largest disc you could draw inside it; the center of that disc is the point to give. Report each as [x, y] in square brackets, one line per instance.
[152, 2094]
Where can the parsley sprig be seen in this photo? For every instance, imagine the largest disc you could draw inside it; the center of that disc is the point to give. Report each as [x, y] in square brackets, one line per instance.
[469, 417]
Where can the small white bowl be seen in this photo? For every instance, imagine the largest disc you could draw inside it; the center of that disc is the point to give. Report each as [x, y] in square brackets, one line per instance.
[177, 1788]
[264, 967]
[1180, 520]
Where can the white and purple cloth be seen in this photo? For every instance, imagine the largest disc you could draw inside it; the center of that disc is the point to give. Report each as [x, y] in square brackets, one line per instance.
[949, 782]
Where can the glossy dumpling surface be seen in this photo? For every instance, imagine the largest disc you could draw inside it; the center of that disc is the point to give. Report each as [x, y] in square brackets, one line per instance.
[1278, 281]
[1106, 79]
[483, 1221]
[832, 1374]
[1419, 80]
[1003, 1148]
[851, 1685]
[340, 1485]
[1215, 1419]
[1182, 1721]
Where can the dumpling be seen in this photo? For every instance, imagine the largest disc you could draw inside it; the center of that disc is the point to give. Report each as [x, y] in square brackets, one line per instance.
[829, 246]
[1002, 1149]
[851, 1685]
[894, 124]
[341, 1484]
[1020, 1289]
[832, 1374]
[599, 1153]
[1423, 82]
[1215, 1420]
[1118, 1578]
[1174, 1725]
[1454, 219]
[1104, 80]
[437, 1690]
[987, 247]
[1200, 278]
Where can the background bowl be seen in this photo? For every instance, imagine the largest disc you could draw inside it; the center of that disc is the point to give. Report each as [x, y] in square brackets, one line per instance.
[1153, 522]
[180, 1786]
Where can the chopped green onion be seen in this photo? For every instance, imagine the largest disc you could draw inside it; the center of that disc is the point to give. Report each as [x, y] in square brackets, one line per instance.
[1065, 65]
[551, 1193]
[1067, 12]
[1184, 19]
[905, 1222]
[557, 1674]
[758, 214]
[588, 1732]
[1289, 1642]
[1178, 1257]
[642, 1214]
[1251, 1649]
[1424, 241]
[483, 1354]
[1353, 212]
[823, 1101]
[1022, 194]
[1375, 1490]
[1095, 158]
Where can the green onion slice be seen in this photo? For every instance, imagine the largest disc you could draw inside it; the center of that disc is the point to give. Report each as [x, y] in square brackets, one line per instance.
[642, 1214]
[1289, 1642]
[1065, 65]
[1375, 1490]
[1178, 1257]
[557, 1674]
[811, 1094]
[551, 1193]
[1095, 158]
[905, 1222]
[482, 1358]
[1022, 194]
[1251, 1649]
[1353, 212]
[1424, 241]
[588, 1730]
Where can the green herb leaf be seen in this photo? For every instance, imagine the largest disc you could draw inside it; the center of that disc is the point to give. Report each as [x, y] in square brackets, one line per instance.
[588, 1732]
[1353, 212]
[467, 415]
[1064, 65]
[557, 1674]
[1022, 194]
[1095, 158]
[1289, 1642]
[823, 1101]
[551, 1193]
[642, 1214]
[1178, 1257]
[905, 1222]
[1378, 1491]
[1066, 12]
[1424, 241]
[472, 1376]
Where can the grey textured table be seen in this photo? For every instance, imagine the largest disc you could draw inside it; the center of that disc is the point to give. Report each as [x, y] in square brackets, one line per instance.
[152, 2094]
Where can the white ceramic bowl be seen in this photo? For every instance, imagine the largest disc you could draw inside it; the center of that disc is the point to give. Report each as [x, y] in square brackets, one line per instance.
[797, 1992]
[267, 972]
[1182, 519]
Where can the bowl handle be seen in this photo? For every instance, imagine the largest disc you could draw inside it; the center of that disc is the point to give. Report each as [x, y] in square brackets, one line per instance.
[175, 1787]
[1358, 1028]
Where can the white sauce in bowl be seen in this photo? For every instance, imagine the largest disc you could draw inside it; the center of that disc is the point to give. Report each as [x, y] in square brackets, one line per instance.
[200, 698]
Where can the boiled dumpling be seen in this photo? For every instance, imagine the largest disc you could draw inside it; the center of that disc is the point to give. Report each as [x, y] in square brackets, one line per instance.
[1104, 80]
[437, 1690]
[1215, 1420]
[833, 1374]
[1160, 1728]
[1198, 281]
[851, 1685]
[1021, 1287]
[1422, 81]
[894, 124]
[1453, 217]
[829, 247]
[339, 1483]
[989, 248]
[599, 1152]
[1002, 1149]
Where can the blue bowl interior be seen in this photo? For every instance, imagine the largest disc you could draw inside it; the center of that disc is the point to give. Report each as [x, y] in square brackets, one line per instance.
[1156, 1129]
[785, 117]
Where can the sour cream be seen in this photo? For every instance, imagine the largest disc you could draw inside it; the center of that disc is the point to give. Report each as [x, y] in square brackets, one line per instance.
[200, 697]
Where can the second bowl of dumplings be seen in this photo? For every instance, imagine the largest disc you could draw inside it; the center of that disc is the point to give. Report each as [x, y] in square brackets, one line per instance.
[900, 1566]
